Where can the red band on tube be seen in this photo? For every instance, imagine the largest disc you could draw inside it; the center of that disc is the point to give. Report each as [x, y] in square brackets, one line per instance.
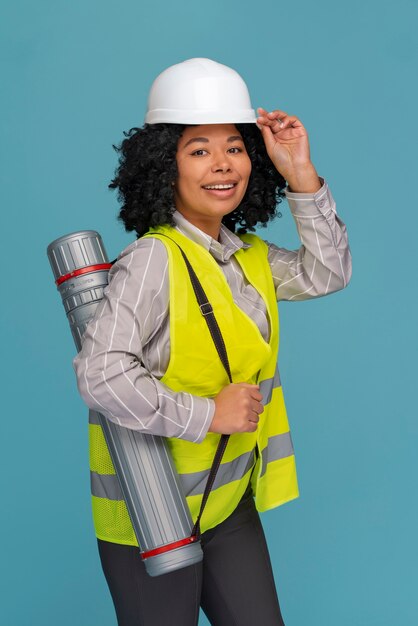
[81, 271]
[168, 547]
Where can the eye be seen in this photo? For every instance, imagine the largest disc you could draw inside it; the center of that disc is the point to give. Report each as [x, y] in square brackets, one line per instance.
[236, 150]
[198, 152]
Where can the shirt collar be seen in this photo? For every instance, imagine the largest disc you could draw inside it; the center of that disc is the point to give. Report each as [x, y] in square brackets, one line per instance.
[221, 250]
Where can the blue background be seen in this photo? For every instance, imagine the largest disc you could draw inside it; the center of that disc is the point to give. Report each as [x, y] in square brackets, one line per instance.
[75, 75]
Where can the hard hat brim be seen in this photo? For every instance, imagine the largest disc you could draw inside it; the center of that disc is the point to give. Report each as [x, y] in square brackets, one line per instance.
[176, 116]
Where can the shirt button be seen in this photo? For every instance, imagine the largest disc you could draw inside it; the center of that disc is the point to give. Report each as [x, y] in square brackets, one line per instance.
[321, 203]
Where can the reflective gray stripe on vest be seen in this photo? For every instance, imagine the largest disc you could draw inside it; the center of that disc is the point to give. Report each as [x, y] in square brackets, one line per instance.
[278, 447]
[267, 386]
[105, 486]
[194, 483]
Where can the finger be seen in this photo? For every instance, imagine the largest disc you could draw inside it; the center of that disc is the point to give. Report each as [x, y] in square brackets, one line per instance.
[291, 121]
[287, 120]
[277, 113]
[279, 120]
[264, 121]
[274, 124]
[272, 115]
[257, 408]
[263, 118]
[253, 392]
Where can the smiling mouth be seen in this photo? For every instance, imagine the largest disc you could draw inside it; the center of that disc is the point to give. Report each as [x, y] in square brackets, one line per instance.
[220, 187]
[223, 191]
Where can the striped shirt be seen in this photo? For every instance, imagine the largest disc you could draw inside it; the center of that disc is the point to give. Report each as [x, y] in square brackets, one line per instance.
[126, 347]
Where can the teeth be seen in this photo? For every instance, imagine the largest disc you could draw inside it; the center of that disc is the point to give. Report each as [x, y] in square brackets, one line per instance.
[219, 186]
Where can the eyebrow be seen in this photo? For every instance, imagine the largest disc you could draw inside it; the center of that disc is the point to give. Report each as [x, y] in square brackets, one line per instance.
[206, 140]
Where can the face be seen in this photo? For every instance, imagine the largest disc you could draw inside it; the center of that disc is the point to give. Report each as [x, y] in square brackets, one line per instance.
[213, 173]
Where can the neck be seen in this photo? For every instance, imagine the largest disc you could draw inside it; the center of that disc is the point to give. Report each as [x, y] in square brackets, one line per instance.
[210, 227]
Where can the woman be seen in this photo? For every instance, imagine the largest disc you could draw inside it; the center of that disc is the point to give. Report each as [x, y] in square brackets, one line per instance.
[198, 172]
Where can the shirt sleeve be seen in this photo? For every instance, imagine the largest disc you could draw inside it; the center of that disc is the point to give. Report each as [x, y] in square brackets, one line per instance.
[111, 376]
[322, 264]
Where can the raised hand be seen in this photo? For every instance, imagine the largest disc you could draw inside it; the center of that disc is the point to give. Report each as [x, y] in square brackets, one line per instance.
[287, 145]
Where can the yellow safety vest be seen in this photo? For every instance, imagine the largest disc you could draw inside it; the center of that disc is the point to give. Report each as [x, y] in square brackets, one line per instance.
[195, 367]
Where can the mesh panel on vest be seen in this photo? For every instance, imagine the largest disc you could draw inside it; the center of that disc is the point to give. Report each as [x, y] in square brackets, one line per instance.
[111, 519]
[100, 460]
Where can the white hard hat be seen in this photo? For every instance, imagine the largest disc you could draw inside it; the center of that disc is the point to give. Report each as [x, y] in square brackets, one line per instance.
[199, 91]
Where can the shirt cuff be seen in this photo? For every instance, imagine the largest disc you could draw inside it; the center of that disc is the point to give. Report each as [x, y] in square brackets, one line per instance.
[201, 415]
[311, 205]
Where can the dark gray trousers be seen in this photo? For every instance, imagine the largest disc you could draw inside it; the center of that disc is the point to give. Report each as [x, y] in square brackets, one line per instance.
[233, 584]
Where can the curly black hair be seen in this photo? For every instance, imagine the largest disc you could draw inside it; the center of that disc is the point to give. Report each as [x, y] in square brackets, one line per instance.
[147, 167]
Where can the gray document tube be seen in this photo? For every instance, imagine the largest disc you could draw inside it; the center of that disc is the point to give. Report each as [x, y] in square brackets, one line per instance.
[147, 476]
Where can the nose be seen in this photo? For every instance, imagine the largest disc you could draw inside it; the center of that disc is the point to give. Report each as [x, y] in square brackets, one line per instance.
[221, 162]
